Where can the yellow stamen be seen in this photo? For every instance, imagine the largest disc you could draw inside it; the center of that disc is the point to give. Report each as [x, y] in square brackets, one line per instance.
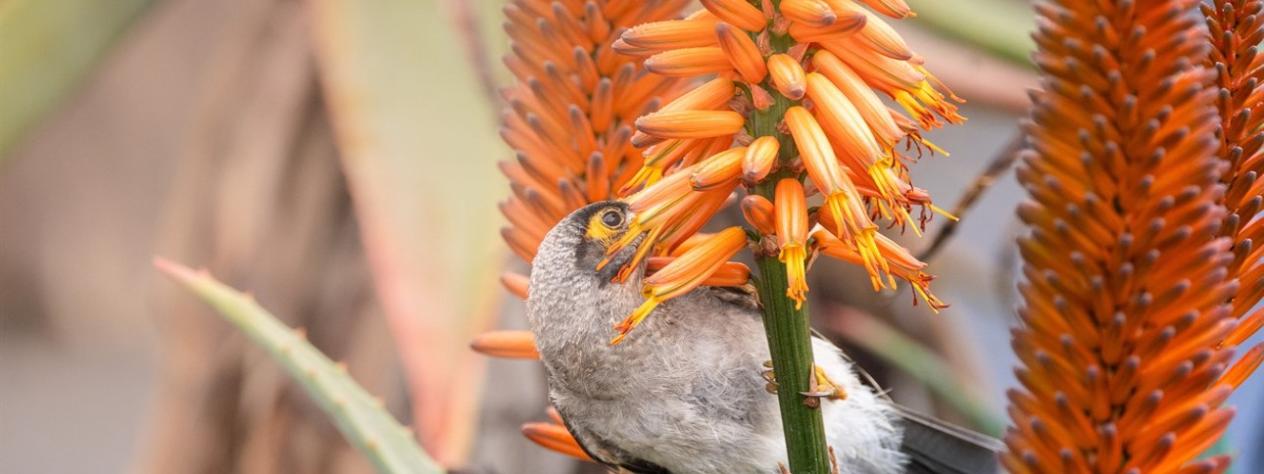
[795, 257]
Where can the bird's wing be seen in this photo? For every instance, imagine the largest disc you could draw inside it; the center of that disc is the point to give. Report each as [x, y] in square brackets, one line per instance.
[934, 447]
[625, 463]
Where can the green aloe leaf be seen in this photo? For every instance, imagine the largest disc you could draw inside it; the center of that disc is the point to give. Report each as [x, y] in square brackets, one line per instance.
[1000, 27]
[359, 416]
[417, 136]
[46, 47]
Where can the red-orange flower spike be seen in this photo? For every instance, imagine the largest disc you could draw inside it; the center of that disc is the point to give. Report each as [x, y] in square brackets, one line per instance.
[683, 275]
[738, 13]
[760, 213]
[791, 216]
[787, 76]
[516, 284]
[760, 157]
[1127, 277]
[742, 53]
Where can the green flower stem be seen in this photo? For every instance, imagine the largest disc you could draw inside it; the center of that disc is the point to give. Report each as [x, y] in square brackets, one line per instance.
[790, 343]
[789, 338]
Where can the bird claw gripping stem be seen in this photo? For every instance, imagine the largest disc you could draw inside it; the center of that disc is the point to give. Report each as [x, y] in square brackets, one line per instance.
[819, 386]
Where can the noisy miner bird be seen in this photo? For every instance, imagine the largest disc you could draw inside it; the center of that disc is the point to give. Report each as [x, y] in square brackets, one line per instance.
[686, 392]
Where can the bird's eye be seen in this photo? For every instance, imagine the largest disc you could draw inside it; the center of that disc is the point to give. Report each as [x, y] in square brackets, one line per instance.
[612, 218]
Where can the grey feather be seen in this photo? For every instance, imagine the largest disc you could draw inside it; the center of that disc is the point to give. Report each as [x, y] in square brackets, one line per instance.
[935, 447]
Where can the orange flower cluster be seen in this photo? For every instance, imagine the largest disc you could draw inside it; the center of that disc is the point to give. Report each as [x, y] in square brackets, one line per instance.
[570, 115]
[570, 112]
[814, 69]
[1127, 342]
[1237, 28]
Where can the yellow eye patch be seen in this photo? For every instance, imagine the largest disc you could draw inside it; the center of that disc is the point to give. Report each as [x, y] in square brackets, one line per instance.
[599, 231]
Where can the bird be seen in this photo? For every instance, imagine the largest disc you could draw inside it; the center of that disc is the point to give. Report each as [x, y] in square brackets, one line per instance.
[687, 392]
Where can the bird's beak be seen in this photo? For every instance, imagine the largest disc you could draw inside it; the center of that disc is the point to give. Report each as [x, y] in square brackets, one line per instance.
[627, 258]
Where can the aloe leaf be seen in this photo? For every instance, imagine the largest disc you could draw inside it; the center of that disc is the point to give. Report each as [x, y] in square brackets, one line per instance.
[1000, 27]
[46, 47]
[359, 416]
[418, 144]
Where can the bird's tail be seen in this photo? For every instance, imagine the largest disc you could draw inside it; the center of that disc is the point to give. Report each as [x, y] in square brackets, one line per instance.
[934, 447]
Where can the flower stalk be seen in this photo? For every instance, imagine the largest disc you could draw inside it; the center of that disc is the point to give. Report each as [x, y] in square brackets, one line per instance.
[786, 322]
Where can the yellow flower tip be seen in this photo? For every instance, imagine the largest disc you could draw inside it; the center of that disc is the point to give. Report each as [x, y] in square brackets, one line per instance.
[691, 123]
[739, 13]
[644, 177]
[742, 52]
[921, 286]
[795, 258]
[940, 211]
[633, 320]
[787, 76]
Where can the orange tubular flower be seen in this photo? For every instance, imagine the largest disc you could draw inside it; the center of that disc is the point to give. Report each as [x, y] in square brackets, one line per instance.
[684, 274]
[507, 344]
[760, 157]
[791, 215]
[1129, 285]
[847, 139]
[760, 213]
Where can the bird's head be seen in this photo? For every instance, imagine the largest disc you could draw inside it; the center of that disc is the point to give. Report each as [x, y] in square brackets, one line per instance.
[599, 239]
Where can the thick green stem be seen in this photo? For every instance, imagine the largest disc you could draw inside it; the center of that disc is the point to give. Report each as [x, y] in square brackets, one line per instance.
[789, 338]
[790, 343]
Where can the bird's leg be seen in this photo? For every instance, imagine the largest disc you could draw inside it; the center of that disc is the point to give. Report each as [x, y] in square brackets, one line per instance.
[769, 377]
[820, 385]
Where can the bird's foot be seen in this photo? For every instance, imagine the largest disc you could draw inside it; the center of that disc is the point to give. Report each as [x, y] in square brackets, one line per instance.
[820, 386]
[769, 377]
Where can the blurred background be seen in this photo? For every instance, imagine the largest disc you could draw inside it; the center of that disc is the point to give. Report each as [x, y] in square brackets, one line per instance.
[336, 159]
